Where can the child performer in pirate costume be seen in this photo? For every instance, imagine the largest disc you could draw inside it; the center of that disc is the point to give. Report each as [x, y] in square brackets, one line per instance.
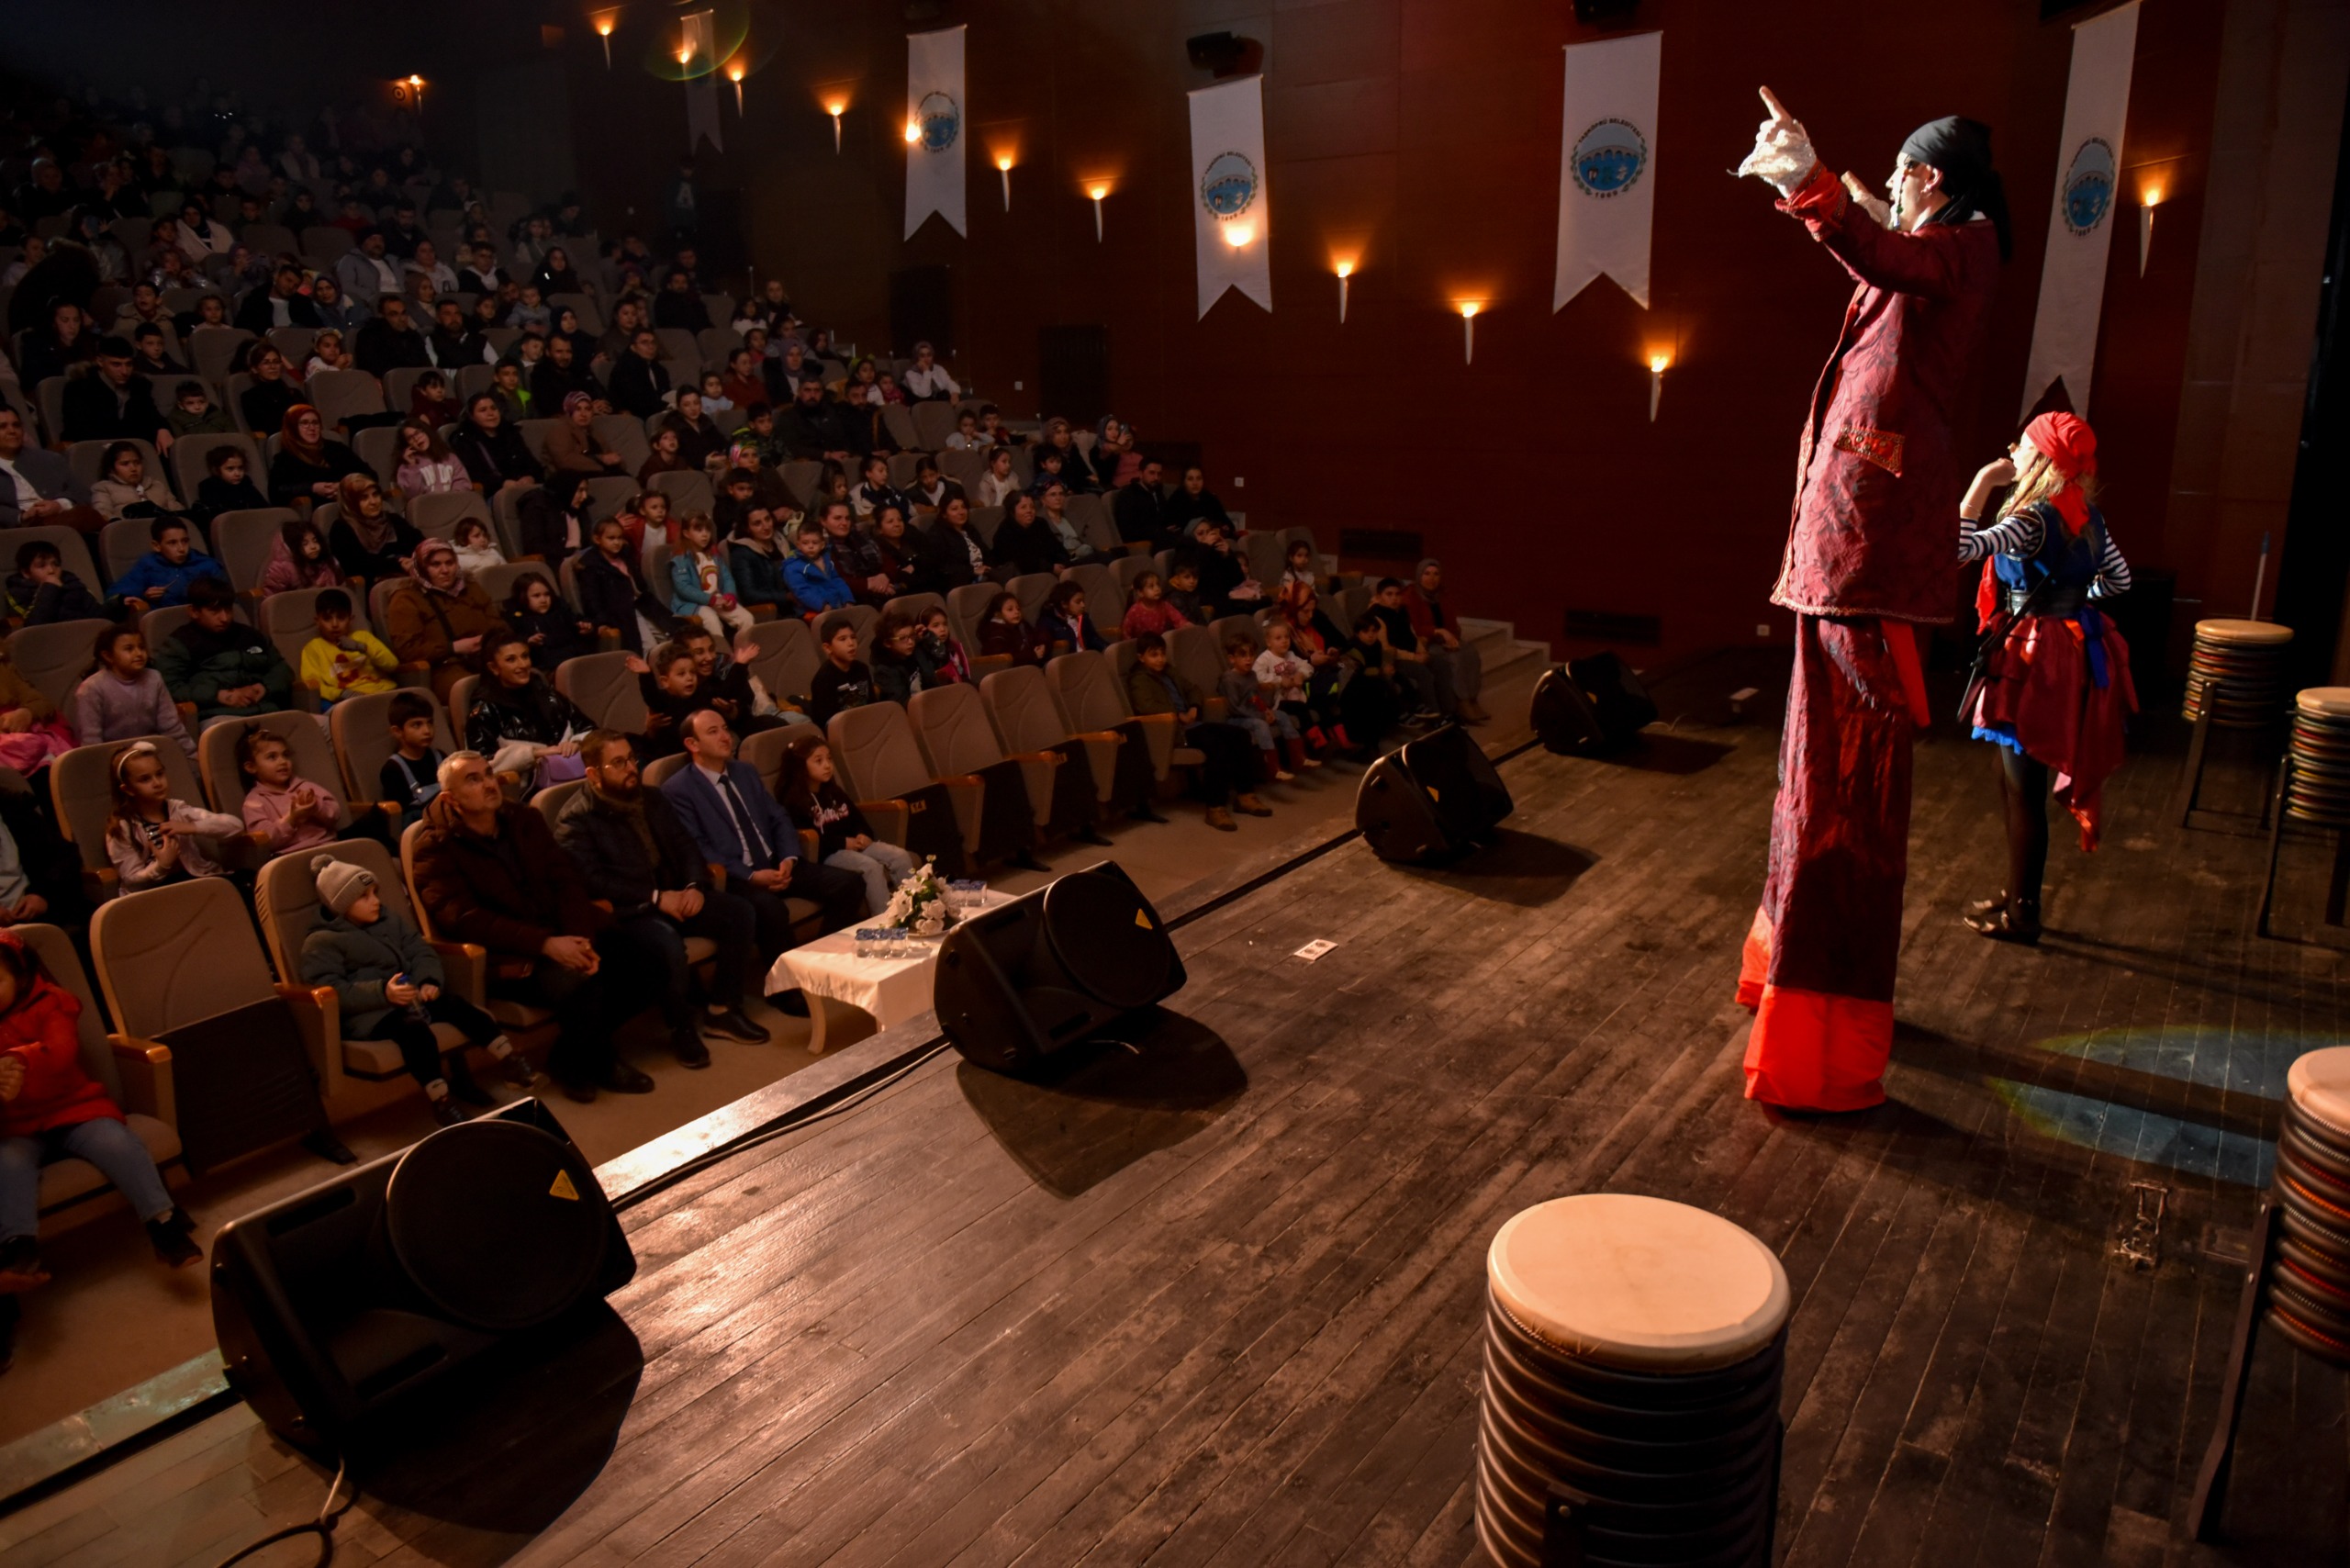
[2055, 690]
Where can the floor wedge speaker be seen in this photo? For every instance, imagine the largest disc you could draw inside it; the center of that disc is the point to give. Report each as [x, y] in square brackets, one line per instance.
[1589, 705]
[1431, 798]
[335, 1304]
[1046, 971]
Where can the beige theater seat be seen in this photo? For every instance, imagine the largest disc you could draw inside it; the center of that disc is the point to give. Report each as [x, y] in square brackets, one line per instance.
[952, 726]
[881, 766]
[82, 788]
[137, 1076]
[1022, 705]
[1092, 699]
[361, 729]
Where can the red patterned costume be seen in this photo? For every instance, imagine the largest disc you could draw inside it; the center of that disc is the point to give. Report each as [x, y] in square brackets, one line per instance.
[1869, 554]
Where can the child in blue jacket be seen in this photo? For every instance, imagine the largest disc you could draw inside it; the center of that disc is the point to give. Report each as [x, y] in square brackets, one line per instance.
[162, 576]
[815, 583]
[702, 587]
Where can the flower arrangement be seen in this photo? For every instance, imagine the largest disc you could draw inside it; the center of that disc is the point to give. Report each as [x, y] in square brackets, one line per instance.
[920, 904]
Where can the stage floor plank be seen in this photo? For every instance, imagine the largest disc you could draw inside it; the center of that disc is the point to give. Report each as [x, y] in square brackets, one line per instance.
[1227, 1312]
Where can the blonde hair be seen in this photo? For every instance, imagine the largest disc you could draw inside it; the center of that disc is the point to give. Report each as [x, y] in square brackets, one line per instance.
[2040, 481]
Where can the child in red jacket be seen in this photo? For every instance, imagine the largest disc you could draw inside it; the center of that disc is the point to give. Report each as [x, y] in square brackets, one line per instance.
[51, 1109]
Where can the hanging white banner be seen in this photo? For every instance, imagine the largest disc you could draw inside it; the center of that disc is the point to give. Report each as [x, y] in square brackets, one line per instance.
[2080, 229]
[935, 122]
[1607, 166]
[701, 30]
[1232, 220]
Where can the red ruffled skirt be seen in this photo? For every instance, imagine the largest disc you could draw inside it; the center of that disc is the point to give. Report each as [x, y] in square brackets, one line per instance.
[2040, 695]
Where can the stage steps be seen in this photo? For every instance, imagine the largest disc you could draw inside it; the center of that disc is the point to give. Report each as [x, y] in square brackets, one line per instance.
[1502, 648]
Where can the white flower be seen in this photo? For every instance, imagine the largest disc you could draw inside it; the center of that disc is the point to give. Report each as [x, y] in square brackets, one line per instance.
[932, 923]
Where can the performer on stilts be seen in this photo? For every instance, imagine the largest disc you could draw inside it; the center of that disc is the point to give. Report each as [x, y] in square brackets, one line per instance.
[2055, 690]
[1867, 559]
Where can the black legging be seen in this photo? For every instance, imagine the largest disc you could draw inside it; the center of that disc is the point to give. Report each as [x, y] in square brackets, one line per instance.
[2024, 791]
[1230, 761]
[420, 1050]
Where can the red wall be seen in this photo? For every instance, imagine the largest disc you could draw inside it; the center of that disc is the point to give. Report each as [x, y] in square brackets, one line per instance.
[1423, 135]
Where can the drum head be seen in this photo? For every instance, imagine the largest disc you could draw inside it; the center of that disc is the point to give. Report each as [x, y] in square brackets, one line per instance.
[502, 1226]
[2319, 1085]
[1108, 938]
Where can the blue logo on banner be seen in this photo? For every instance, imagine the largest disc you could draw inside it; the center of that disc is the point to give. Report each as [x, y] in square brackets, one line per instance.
[1608, 158]
[1228, 186]
[939, 121]
[2088, 186]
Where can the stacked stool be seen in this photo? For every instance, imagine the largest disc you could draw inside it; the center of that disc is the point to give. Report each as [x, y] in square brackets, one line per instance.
[2235, 680]
[2313, 788]
[1634, 1349]
[2298, 1278]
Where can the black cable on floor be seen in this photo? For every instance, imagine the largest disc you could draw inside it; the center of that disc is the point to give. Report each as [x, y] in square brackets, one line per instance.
[323, 1527]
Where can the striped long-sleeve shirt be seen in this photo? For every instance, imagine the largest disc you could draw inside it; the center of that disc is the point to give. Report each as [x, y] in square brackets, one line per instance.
[2020, 536]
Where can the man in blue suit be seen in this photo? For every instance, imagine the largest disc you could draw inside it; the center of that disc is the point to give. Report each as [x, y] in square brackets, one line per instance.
[740, 827]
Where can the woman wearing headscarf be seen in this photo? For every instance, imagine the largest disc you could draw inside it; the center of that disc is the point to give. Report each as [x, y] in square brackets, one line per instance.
[555, 275]
[1867, 559]
[370, 540]
[492, 449]
[439, 616]
[308, 466]
[2055, 690]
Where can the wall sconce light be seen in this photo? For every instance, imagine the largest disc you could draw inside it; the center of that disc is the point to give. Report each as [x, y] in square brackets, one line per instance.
[604, 25]
[914, 131]
[1095, 192]
[1003, 167]
[1468, 308]
[837, 107]
[1238, 234]
[415, 85]
[734, 75]
[685, 54]
[1658, 364]
[1345, 270]
[2152, 199]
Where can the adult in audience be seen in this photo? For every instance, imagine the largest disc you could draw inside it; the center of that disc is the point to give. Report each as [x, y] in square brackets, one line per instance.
[1459, 668]
[309, 468]
[741, 829]
[678, 304]
[563, 372]
[556, 517]
[926, 380]
[637, 857]
[815, 429]
[439, 617]
[272, 394]
[366, 273]
[555, 275]
[390, 342]
[1026, 543]
[640, 382]
[282, 304]
[113, 402]
[63, 339]
[518, 720]
[1191, 502]
[335, 307]
[1115, 462]
[454, 342]
[481, 275]
[369, 540]
[573, 449]
[37, 486]
[492, 448]
[699, 437]
[491, 872]
[425, 263]
[1143, 511]
[1076, 471]
[948, 555]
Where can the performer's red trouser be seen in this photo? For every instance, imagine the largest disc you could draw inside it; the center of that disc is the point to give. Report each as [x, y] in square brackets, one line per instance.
[1819, 964]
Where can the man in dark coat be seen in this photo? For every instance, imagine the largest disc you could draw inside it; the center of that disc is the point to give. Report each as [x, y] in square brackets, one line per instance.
[390, 342]
[815, 429]
[490, 871]
[282, 304]
[112, 402]
[1869, 555]
[639, 381]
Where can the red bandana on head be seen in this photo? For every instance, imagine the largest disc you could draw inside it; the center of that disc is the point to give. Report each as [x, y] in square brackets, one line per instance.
[2071, 446]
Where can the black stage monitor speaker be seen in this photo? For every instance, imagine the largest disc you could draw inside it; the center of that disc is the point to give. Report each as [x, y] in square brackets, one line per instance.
[1590, 705]
[1433, 797]
[1046, 971]
[332, 1304]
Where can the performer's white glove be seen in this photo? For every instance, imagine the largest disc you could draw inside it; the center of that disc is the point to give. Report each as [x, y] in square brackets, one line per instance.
[1868, 200]
[1783, 154]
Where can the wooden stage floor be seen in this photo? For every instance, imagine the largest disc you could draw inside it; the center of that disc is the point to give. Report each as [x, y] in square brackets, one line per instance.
[1218, 1302]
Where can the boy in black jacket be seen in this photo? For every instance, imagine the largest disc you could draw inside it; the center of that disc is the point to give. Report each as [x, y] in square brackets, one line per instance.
[843, 680]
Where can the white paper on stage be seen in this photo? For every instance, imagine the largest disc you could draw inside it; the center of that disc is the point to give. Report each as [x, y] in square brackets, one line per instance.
[701, 31]
[934, 109]
[2088, 189]
[1607, 166]
[1232, 223]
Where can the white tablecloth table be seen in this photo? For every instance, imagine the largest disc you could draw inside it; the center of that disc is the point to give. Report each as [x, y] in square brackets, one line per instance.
[892, 989]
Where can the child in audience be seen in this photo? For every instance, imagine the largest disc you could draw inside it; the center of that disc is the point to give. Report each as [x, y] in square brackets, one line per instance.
[1298, 567]
[165, 575]
[967, 437]
[1064, 624]
[554, 631]
[1287, 680]
[298, 558]
[42, 592]
[342, 660]
[391, 987]
[220, 662]
[411, 777]
[998, 484]
[738, 492]
[702, 585]
[671, 686]
[153, 838]
[1183, 593]
[1004, 632]
[645, 521]
[896, 671]
[121, 697]
[614, 593]
[1249, 707]
[942, 658]
[1149, 610]
[815, 583]
[533, 314]
[327, 352]
[32, 735]
[727, 686]
[813, 796]
[757, 559]
[476, 549]
[431, 404]
[194, 413]
[51, 1109]
[284, 811]
[127, 490]
[890, 391]
[426, 466]
[1370, 689]
[714, 400]
[842, 681]
[1220, 780]
[226, 486]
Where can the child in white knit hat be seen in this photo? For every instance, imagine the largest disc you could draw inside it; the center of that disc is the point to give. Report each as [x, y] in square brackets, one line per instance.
[389, 983]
